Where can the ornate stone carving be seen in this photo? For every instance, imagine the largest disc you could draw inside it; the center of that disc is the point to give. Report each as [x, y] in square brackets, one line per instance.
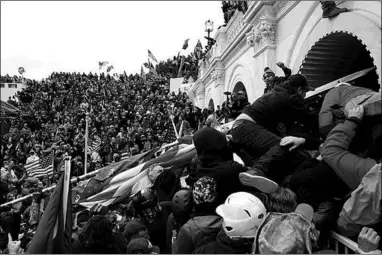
[263, 34]
[199, 92]
[217, 75]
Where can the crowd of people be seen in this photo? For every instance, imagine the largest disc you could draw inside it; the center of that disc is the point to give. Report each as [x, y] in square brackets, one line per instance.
[303, 172]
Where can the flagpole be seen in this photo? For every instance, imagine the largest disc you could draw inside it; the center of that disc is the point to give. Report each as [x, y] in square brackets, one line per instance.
[74, 180]
[86, 142]
[181, 129]
[66, 185]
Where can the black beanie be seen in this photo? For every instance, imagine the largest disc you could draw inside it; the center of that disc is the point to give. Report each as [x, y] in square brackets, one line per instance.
[209, 140]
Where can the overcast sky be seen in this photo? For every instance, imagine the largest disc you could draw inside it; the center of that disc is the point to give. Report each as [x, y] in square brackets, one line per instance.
[51, 36]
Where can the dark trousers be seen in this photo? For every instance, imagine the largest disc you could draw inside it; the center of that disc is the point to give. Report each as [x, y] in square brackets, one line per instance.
[263, 147]
[254, 139]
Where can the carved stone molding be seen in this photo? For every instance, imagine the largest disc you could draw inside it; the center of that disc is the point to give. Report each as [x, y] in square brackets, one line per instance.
[199, 92]
[217, 75]
[264, 33]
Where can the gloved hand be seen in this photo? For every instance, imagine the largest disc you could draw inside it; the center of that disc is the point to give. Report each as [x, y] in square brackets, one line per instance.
[98, 209]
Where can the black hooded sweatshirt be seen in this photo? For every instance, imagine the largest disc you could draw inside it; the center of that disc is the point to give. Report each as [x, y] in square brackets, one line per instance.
[216, 161]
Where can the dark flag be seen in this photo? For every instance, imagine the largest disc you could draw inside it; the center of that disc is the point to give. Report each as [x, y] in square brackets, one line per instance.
[54, 232]
[109, 68]
[185, 45]
[21, 70]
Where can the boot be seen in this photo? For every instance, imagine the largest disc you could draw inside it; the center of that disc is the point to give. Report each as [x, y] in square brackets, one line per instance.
[330, 9]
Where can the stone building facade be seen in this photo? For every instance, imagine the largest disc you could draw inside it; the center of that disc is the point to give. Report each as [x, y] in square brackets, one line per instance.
[295, 33]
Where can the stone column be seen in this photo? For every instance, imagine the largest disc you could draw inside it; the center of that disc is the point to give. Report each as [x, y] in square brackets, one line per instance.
[217, 76]
[262, 38]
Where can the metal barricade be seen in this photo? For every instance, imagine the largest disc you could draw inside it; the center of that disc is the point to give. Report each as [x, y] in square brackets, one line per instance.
[341, 244]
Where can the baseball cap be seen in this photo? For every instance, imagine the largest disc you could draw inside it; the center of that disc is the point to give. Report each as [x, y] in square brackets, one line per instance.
[299, 80]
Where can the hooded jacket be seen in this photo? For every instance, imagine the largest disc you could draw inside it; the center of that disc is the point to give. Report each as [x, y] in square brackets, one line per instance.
[197, 232]
[216, 161]
[225, 245]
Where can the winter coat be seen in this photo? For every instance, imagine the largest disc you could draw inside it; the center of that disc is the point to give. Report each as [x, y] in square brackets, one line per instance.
[280, 106]
[362, 175]
[364, 207]
[196, 232]
[339, 96]
[225, 245]
[216, 161]
[335, 152]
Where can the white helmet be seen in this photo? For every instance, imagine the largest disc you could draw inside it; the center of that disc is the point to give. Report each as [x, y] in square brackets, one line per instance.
[242, 213]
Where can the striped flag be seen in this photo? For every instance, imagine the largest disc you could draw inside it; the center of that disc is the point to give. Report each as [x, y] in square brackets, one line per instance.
[102, 64]
[117, 188]
[95, 184]
[41, 167]
[53, 234]
[94, 144]
[153, 71]
[152, 58]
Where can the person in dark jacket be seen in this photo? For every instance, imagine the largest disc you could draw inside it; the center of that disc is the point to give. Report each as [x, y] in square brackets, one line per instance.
[270, 78]
[216, 161]
[96, 237]
[256, 129]
[182, 205]
[204, 224]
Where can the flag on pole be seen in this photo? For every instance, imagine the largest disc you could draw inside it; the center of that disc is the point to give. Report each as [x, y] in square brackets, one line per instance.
[109, 68]
[152, 58]
[118, 187]
[185, 45]
[21, 70]
[96, 184]
[41, 167]
[54, 232]
[102, 64]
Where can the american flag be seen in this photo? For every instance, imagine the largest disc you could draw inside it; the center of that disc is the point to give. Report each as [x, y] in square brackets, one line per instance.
[119, 187]
[125, 155]
[94, 144]
[41, 167]
[151, 57]
[102, 64]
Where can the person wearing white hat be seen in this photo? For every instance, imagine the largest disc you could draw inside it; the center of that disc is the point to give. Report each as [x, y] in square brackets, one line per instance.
[242, 214]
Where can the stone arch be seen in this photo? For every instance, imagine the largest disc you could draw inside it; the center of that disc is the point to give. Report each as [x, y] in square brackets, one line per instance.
[211, 104]
[361, 22]
[208, 98]
[336, 55]
[239, 74]
[239, 86]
